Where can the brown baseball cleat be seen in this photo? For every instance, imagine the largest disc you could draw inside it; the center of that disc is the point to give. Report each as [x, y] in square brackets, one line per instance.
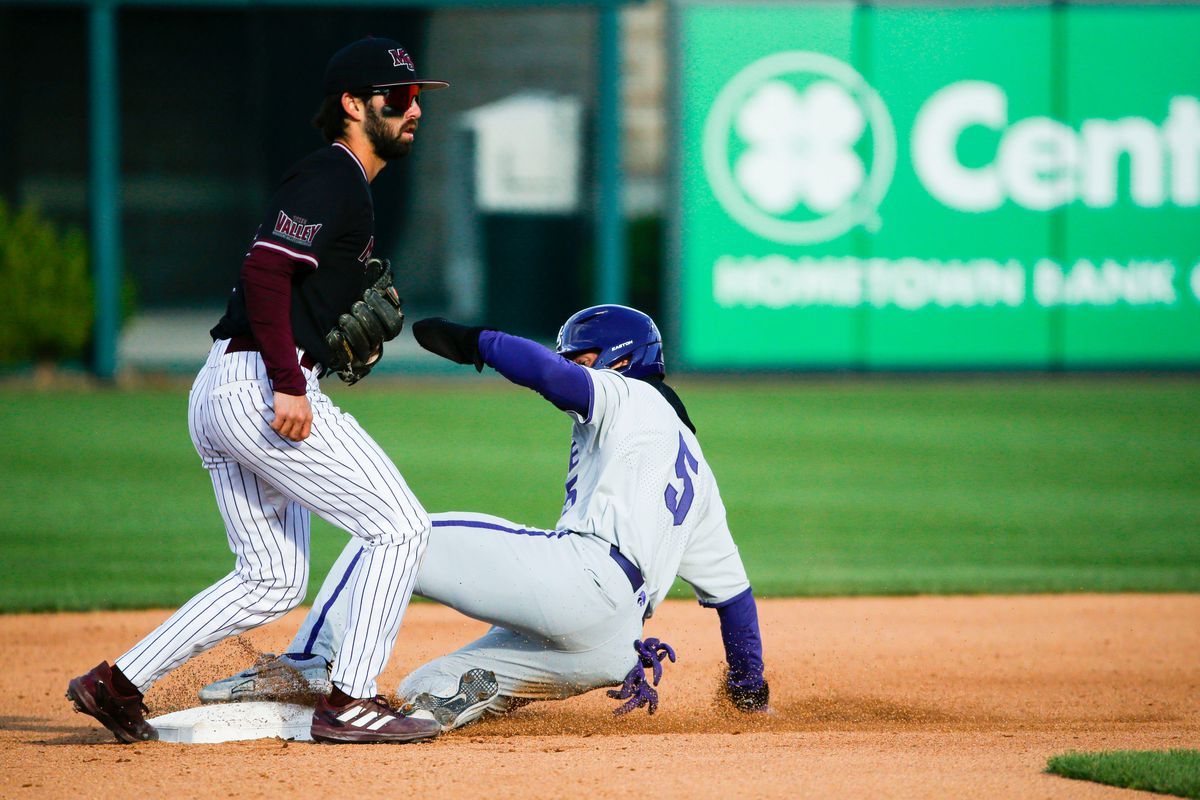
[369, 721]
[94, 694]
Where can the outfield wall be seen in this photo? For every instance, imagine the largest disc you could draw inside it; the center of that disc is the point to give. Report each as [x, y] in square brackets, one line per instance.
[908, 187]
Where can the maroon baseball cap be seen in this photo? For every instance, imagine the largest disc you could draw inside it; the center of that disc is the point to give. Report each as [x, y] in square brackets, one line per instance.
[373, 62]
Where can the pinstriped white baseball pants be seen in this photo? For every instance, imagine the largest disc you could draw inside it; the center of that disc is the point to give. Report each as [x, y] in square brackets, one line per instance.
[266, 485]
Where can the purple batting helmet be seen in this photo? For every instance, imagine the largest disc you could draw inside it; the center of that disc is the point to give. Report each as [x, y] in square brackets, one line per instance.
[614, 332]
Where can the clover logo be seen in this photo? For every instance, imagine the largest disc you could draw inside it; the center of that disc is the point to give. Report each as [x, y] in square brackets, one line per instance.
[787, 145]
[800, 147]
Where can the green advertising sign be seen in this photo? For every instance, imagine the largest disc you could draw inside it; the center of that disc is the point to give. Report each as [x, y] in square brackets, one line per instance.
[908, 187]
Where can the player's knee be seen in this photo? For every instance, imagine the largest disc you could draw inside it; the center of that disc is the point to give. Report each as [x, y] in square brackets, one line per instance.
[424, 531]
[421, 526]
[275, 596]
[407, 525]
[292, 595]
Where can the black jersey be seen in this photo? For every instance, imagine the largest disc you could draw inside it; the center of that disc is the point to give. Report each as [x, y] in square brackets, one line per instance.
[322, 217]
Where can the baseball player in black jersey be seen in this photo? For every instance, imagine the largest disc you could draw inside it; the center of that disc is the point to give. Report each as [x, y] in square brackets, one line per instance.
[310, 300]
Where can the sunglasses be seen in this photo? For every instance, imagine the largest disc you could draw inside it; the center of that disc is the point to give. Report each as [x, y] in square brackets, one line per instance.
[397, 99]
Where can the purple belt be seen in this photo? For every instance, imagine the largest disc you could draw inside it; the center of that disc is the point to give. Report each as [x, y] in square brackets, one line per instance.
[632, 572]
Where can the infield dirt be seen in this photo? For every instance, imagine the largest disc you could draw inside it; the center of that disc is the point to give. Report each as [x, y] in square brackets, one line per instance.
[909, 697]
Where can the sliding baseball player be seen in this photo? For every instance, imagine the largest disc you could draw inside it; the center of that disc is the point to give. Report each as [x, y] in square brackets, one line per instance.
[566, 604]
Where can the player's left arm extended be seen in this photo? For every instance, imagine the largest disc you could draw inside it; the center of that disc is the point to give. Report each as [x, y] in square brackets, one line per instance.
[745, 683]
[713, 567]
[524, 362]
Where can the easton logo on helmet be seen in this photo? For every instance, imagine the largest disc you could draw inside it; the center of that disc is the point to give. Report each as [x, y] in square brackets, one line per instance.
[622, 344]
[402, 59]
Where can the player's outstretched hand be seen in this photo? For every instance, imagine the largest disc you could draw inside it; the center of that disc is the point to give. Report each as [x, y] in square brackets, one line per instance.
[753, 697]
[459, 343]
[293, 416]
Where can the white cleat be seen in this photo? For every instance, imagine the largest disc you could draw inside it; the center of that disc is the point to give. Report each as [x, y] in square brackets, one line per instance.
[476, 690]
[286, 677]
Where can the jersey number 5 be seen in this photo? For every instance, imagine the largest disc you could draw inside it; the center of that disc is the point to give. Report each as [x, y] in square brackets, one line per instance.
[680, 503]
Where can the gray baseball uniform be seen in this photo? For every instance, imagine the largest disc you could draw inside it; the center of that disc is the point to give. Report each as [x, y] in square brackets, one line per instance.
[566, 604]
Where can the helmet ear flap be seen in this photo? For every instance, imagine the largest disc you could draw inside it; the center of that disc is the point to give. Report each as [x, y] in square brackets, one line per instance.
[645, 361]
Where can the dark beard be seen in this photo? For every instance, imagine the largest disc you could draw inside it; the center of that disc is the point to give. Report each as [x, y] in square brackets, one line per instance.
[386, 146]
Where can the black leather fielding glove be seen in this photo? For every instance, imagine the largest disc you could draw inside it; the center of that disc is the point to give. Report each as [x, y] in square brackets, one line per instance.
[459, 343]
[356, 342]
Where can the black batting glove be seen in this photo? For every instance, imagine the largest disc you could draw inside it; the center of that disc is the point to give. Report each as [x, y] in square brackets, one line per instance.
[459, 343]
[755, 699]
[748, 695]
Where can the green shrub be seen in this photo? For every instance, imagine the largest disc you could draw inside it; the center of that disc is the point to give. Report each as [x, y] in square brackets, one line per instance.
[47, 289]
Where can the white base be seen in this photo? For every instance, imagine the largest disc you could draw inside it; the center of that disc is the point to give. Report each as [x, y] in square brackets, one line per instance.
[233, 722]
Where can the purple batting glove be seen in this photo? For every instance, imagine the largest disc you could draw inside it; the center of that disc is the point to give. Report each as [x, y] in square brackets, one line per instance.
[636, 690]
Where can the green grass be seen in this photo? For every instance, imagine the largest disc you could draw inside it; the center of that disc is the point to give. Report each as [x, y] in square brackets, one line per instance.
[855, 487]
[1174, 772]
